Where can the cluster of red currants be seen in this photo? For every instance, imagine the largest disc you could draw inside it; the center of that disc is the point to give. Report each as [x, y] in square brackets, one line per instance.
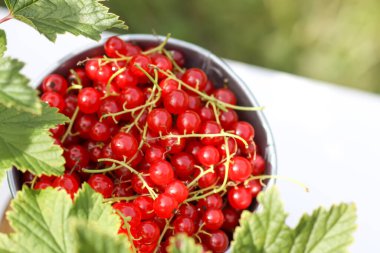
[159, 141]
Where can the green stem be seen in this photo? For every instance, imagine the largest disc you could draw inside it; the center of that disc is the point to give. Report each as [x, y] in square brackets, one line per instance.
[158, 48]
[69, 128]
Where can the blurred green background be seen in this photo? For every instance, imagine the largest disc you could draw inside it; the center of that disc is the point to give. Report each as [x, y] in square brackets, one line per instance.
[332, 40]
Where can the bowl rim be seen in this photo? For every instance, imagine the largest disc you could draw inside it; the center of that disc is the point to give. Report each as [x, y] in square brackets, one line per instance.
[271, 147]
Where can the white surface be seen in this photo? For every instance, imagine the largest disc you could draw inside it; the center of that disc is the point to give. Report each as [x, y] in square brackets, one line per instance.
[327, 136]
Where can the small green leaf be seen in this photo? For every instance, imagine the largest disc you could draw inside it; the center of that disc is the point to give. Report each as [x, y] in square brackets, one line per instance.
[86, 208]
[183, 244]
[3, 42]
[79, 17]
[14, 89]
[264, 231]
[326, 230]
[25, 141]
[89, 239]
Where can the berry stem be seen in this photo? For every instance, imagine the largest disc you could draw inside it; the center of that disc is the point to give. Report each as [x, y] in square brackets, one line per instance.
[167, 225]
[169, 55]
[69, 128]
[158, 48]
[108, 87]
[203, 172]
[117, 199]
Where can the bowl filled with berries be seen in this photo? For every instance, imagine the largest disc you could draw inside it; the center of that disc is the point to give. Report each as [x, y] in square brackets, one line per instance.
[165, 131]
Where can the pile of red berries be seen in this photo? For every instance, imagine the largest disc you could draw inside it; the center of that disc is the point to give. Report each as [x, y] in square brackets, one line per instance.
[159, 141]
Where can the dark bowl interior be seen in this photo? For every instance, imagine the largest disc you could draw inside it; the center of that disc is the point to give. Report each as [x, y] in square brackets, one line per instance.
[217, 70]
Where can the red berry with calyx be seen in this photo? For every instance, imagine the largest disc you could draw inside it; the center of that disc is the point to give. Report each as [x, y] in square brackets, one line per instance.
[188, 122]
[239, 197]
[211, 127]
[195, 78]
[193, 147]
[183, 224]
[225, 95]
[159, 121]
[56, 83]
[211, 201]
[145, 204]
[240, 169]
[89, 100]
[108, 107]
[228, 118]
[183, 164]
[100, 131]
[76, 157]
[208, 156]
[139, 186]
[128, 210]
[54, 99]
[140, 63]
[164, 206]
[176, 101]
[131, 97]
[162, 63]
[173, 144]
[103, 74]
[102, 184]
[177, 190]
[125, 79]
[255, 187]
[149, 232]
[124, 145]
[217, 241]
[92, 67]
[161, 172]
[167, 85]
[115, 47]
[207, 113]
[245, 130]
[67, 182]
[213, 219]
[155, 153]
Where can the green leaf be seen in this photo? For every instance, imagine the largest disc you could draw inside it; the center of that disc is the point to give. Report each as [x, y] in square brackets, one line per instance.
[44, 220]
[51, 17]
[3, 42]
[183, 244]
[25, 141]
[89, 239]
[326, 230]
[14, 89]
[6, 244]
[86, 208]
[266, 230]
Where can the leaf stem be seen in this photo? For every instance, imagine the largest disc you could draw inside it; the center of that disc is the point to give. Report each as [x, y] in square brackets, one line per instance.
[6, 18]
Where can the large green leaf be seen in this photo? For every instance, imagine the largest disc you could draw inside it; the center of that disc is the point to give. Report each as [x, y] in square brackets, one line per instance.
[51, 17]
[14, 89]
[44, 220]
[183, 244]
[6, 244]
[25, 141]
[265, 231]
[3, 42]
[89, 239]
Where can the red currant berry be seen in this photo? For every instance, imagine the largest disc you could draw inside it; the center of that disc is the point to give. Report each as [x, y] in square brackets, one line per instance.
[196, 78]
[183, 164]
[218, 241]
[240, 169]
[108, 106]
[255, 187]
[100, 131]
[67, 182]
[131, 97]
[124, 145]
[149, 232]
[40, 185]
[159, 120]
[139, 62]
[231, 219]
[138, 185]
[132, 49]
[176, 101]
[167, 85]
[115, 47]
[89, 100]
[154, 153]
[125, 79]
[103, 74]
[54, 99]
[122, 190]
[178, 57]
[164, 206]
[58, 131]
[207, 180]
[183, 224]
[145, 204]
[162, 63]
[213, 219]
[76, 157]
[71, 102]
[177, 190]
[211, 201]
[102, 184]
[195, 103]
[207, 113]
[232, 147]
[92, 67]
[239, 197]
[188, 122]
[188, 210]
[208, 156]
[210, 87]
[56, 83]
[193, 147]
[83, 124]
[128, 210]
[245, 130]
[258, 165]
[211, 127]
[228, 119]
[161, 172]
[225, 95]
[81, 74]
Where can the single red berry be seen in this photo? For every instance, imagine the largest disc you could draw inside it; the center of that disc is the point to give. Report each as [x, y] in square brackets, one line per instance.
[162, 63]
[94, 150]
[71, 102]
[145, 204]
[54, 99]
[193, 147]
[240, 169]
[231, 146]
[228, 119]
[124, 145]
[164, 205]
[139, 186]
[183, 164]
[102, 184]
[178, 57]
[83, 124]
[208, 156]
[207, 113]
[149, 232]
[154, 153]
[92, 67]
[107, 153]
[258, 165]
[183, 224]
[177, 190]
[100, 131]
[196, 78]
[255, 187]
[108, 106]
[58, 131]
[123, 173]
[139, 62]
[213, 219]
[56, 83]
[81, 74]
[115, 47]
[167, 85]
[132, 49]
[76, 157]
[245, 130]
[225, 95]
[131, 97]
[211, 127]
[159, 120]
[211, 201]
[67, 182]
[103, 74]
[176, 101]
[218, 241]
[128, 210]
[40, 185]
[173, 144]
[122, 190]
[125, 79]
[195, 103]
[239, 197]
[231, 219]
[207, 180]
[89, 100]
[161, 172]
[210, 87]
[188, 122]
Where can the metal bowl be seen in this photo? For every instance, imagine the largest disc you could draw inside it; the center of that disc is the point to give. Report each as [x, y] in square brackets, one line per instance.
[216, 69]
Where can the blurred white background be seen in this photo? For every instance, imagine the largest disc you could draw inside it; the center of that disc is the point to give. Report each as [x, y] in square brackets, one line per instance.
[327, 137]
